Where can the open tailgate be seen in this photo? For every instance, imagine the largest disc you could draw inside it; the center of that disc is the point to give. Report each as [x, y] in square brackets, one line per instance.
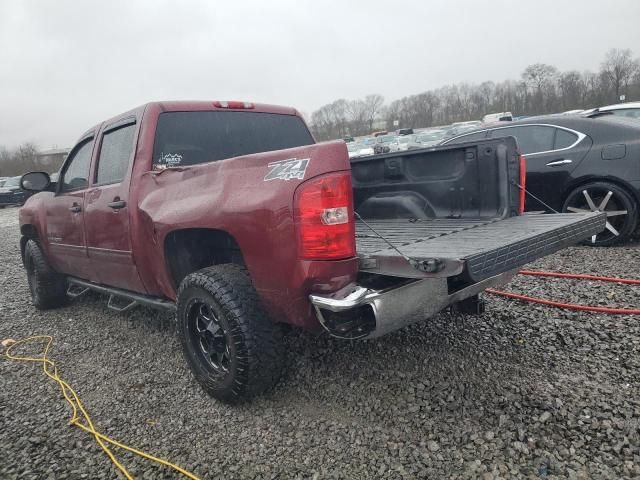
[478, 249]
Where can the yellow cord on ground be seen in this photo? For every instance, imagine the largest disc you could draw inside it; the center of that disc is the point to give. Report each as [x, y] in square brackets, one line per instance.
[50, 369]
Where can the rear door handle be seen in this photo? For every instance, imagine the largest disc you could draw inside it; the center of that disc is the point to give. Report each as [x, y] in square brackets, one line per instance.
[117, 204]
[556, 163]
[75, 208]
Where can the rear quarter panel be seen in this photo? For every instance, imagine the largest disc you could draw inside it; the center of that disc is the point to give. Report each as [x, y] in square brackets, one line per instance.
[233, 196]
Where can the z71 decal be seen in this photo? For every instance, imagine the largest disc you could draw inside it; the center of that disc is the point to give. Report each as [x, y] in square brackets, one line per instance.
[287, 169]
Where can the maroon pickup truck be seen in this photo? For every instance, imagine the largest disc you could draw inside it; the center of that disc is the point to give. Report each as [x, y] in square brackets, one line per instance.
[229, 214]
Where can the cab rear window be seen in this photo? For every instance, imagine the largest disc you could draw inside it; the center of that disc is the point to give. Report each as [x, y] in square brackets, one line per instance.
[190, 138]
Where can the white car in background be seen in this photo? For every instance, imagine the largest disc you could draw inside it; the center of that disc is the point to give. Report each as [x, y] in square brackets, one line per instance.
[358, 149]
[498, 117]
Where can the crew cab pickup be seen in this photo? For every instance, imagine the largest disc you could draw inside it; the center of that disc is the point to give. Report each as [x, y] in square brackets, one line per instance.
[230, 214]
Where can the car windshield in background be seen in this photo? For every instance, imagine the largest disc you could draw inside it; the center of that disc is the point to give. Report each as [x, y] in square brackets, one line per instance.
[630, 112]
[353, 147]
[190, 138]
[429, 137]
[386, 138]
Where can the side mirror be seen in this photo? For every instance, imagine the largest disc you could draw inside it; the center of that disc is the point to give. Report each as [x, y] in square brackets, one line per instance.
[35, 181]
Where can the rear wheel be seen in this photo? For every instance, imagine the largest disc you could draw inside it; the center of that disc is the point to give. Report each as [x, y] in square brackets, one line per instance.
[48, 288]
[620, 207]
[234, 350]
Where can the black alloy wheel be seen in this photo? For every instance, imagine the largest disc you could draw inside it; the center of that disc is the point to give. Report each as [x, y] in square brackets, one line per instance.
[609, 198]
[209, 336]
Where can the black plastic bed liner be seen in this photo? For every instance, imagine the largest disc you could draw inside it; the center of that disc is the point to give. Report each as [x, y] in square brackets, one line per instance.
[484, 248]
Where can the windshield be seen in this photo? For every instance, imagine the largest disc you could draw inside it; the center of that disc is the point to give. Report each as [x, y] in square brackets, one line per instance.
[386, 139]
[429, 137]
[627, 112]
[189, 138]
[353, 147]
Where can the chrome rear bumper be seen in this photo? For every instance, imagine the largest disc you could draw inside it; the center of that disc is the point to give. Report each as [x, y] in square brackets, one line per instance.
[393, 308]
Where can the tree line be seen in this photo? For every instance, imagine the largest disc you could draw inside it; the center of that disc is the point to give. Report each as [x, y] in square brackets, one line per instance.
[540, 89]
[19, 160]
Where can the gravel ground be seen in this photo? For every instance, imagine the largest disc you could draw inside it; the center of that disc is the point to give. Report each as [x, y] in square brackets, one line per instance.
[521, 391]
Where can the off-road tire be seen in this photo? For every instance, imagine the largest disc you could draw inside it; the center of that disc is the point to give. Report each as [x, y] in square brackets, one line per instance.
[48, 288]
[254, 343]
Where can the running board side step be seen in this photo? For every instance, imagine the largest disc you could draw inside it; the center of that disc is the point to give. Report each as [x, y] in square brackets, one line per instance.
[79, 287]
[75, 291]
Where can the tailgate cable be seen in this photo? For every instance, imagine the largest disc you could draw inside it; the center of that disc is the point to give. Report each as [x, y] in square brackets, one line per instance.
[535, 198]
[72, 398]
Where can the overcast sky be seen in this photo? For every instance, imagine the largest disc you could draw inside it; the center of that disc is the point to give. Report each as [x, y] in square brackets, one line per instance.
[65, 66]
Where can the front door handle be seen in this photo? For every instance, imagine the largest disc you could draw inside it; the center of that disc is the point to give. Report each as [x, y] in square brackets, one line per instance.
[117, 204]
[75, 208]
[557, 163]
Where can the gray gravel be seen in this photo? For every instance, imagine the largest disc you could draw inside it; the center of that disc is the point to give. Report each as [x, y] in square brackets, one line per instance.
[521, 391]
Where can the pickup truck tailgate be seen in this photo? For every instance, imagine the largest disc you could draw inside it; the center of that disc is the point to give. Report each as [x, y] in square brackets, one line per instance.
[477, 248]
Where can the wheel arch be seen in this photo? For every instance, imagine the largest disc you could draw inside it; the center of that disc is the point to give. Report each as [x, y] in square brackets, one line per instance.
[191, 249]
[29, 232]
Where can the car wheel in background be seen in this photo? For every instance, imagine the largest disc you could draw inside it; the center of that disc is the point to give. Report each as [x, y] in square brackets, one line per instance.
[233, 348]
[620, 207]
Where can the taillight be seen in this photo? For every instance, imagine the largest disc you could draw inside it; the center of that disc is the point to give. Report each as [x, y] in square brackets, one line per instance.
[523, 183]
[323, 212]
[234, 105]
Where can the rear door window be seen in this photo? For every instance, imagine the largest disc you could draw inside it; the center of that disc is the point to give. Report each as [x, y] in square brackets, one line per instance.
[189, 138]
[531, 138]
[564, 139]
[470, 137]
[115, 154]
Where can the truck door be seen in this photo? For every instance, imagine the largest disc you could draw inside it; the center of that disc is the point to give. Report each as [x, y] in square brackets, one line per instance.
[65, 214]
[107, 210]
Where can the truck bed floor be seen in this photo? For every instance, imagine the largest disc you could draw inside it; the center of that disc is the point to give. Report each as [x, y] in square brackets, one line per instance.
[487, 247]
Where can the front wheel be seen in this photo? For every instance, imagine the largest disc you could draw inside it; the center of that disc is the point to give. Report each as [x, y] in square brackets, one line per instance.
[620, 207]
[48, 288]
[234, 350]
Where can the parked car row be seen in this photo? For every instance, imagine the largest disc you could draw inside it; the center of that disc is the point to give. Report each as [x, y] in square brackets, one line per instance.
[403, 139]
[11, 193]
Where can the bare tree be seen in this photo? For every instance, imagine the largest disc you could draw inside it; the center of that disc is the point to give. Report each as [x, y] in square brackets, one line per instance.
[572, 87]
[373, 103]
[19, 161]
[619, 68]
[540, 78]
[357, 111]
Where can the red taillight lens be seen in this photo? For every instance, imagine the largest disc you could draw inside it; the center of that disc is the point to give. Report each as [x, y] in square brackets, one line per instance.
[323, 213]
[523, 183]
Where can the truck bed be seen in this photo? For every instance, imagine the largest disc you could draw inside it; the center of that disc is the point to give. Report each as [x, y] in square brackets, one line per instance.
[482, 248]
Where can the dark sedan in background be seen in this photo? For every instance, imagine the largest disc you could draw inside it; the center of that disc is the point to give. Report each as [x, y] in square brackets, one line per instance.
[578, 163]
[12, 194]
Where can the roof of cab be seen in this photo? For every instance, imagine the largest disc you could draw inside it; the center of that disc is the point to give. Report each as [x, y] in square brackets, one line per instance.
[200, 105]
[190, 106]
